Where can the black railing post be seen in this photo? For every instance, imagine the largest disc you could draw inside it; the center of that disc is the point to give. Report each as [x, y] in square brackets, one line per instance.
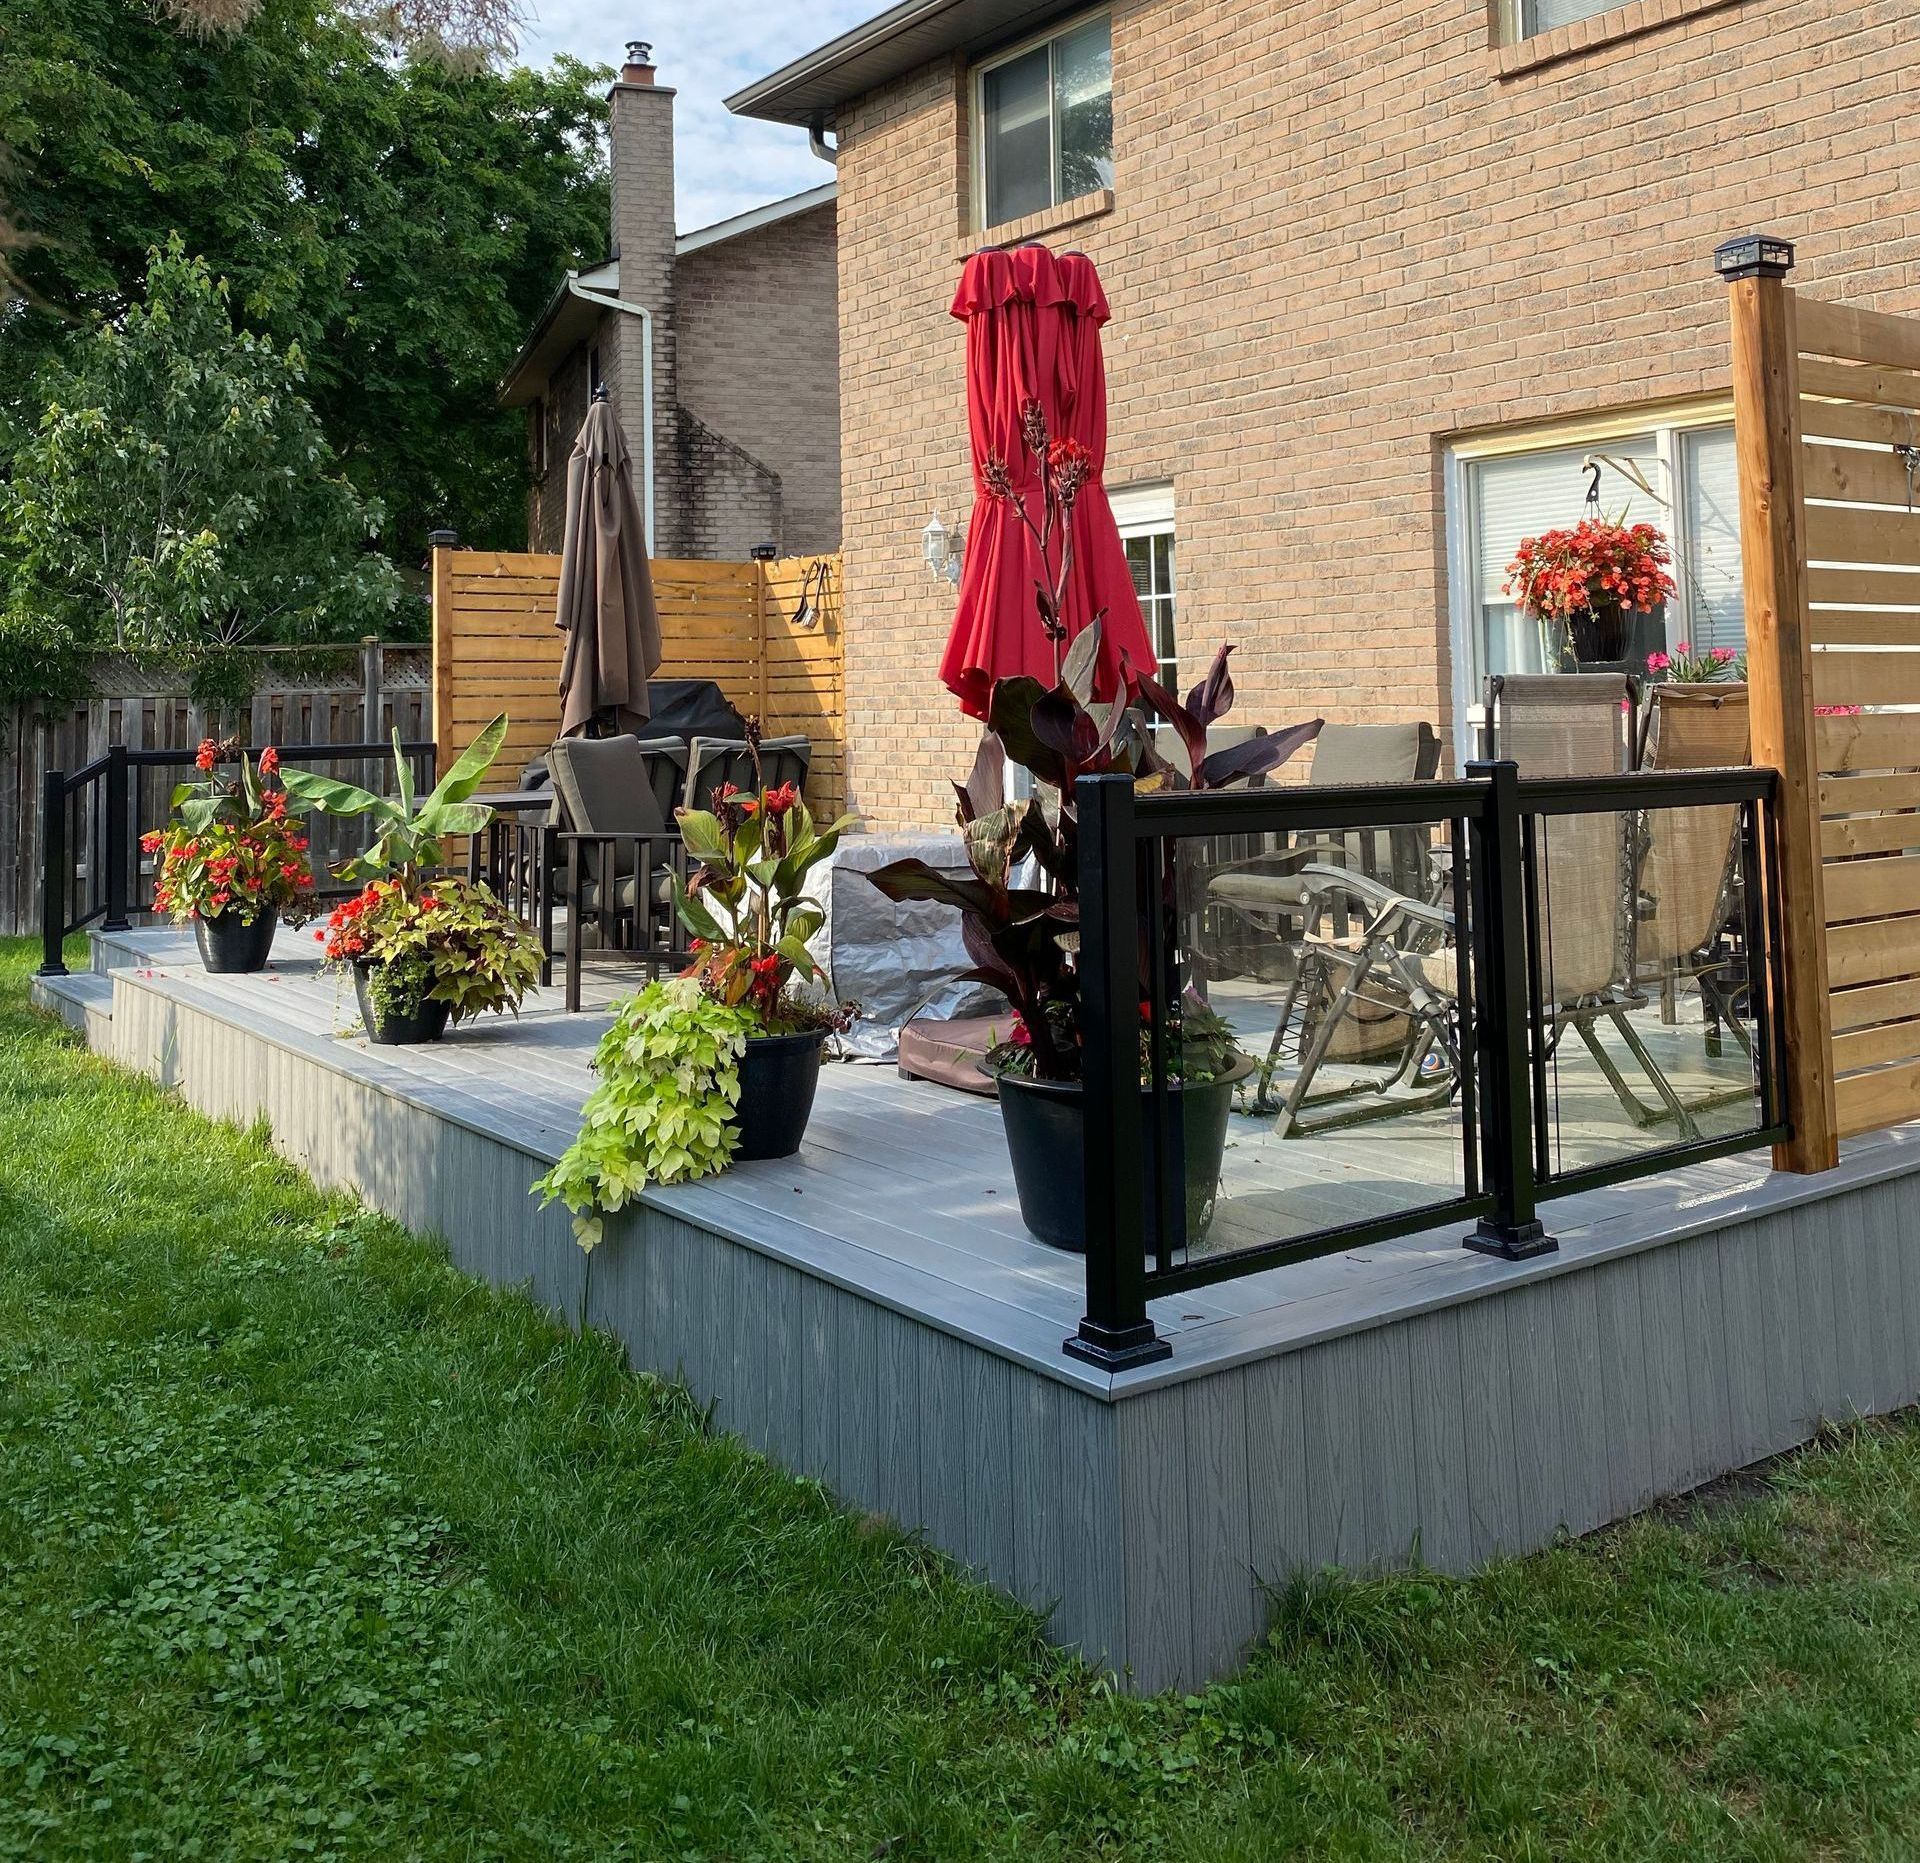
[53, 872]
[117, 850]
[1116, 1333]
[1503, 1020]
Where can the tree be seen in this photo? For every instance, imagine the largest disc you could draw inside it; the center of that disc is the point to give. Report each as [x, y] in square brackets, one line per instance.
[402, 221]
[178, 496]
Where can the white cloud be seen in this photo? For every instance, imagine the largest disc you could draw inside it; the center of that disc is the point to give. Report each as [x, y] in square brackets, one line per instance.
[723, 164]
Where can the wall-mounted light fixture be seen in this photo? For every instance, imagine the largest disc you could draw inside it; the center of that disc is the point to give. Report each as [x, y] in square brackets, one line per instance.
[942, 549]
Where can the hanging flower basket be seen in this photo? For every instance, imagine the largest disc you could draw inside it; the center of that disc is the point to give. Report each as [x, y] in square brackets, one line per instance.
[1589, 579]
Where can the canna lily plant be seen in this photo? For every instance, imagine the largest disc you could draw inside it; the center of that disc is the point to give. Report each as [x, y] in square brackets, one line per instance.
[1023, 939]
[746, 904]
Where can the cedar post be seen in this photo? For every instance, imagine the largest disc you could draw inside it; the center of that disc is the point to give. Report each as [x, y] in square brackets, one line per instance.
[1766, 402]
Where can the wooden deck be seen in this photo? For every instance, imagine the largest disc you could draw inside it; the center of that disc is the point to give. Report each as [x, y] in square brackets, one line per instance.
[874, 1313]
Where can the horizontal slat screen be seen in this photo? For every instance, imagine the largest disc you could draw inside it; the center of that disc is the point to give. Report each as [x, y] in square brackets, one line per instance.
[496, 648]
[1859, 377]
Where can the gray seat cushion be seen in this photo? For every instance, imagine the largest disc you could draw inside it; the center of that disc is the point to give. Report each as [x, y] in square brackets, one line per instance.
[1386, 753]
[605, 785]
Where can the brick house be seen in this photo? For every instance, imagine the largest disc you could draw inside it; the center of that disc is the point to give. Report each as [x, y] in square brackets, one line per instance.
[744, 383]
[1382, 281]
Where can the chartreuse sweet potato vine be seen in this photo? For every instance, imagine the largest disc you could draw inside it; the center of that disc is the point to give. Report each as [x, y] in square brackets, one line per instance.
[669, 1072]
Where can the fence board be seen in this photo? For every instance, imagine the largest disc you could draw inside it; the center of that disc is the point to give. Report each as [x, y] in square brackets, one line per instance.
[1858, 335]
[1865, 383]
[1890, 1097]
[1874, 951]
[1863, 534]
[1857, 476]
[1877, 1002]
[1886, 741]
[1870, 889]
[1843, 677]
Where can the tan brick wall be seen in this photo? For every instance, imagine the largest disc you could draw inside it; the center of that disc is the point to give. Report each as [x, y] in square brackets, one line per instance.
[1339, 237]
[759, 362]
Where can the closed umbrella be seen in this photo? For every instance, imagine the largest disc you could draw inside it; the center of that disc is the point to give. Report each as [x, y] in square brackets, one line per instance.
[1033, 330]
[606, 605]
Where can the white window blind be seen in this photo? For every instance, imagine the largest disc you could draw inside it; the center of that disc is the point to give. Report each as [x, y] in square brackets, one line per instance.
[1544, 15]
[1712, 599]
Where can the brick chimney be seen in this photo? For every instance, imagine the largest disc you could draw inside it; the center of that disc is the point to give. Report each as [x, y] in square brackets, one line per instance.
[640, 152]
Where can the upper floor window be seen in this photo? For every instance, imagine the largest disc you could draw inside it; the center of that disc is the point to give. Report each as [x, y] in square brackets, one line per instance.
[1043, 122]
[1527, 19]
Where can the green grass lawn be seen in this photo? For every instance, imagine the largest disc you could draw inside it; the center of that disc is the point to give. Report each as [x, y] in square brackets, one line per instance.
[310, 1546]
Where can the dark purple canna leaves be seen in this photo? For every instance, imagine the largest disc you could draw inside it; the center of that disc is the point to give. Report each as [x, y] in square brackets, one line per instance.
[1255, 757]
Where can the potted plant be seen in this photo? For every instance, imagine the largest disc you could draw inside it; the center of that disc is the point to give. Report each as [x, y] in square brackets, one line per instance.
[750, 917]
[1710, 666]
[423, 951]
[233, 863]
[1588, 578]
[1024, 939]
[720, 1063]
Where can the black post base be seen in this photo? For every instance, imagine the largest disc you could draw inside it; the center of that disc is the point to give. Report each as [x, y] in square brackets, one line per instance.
[52, 968]
[1510, 1241]
[1117, 1350]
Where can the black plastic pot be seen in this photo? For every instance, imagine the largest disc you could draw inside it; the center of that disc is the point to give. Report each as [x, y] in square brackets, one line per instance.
[778, 1074]
[1598, 633]
[1045, 1123]
[394, 1027]
[229, 948]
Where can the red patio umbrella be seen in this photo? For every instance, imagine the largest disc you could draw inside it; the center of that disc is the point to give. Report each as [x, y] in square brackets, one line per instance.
[1033, 329]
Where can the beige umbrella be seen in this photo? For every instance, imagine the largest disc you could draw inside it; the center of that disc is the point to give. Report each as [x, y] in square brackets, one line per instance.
[606, 605]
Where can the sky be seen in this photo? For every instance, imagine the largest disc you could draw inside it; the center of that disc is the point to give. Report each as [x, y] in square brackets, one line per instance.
[723, 164]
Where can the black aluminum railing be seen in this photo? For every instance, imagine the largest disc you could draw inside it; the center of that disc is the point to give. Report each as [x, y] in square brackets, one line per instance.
[92, 818]
[1528, 944]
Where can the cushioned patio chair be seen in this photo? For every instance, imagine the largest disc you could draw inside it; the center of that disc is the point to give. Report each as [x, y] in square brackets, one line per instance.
[619, 855]
[1690, 924]
[713, 762]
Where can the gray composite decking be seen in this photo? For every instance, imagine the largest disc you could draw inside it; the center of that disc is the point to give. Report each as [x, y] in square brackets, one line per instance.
[873, 1313]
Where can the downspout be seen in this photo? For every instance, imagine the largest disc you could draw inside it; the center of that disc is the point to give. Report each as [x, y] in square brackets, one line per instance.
[818, 143]
[646, 390]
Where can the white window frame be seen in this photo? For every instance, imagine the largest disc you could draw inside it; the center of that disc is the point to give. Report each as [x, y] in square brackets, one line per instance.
[1600, 433]
[1148, 511]
[1512, 16]
[977, 213]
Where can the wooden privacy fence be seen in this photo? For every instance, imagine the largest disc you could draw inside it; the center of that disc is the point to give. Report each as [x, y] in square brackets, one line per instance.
[495, 648]
[306, 696]
[1827, 411]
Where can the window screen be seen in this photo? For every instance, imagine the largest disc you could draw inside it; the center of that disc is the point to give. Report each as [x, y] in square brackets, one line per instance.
[1046, 124]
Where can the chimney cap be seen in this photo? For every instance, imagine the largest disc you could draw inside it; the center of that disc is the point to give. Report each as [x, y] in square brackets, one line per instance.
[638, 68]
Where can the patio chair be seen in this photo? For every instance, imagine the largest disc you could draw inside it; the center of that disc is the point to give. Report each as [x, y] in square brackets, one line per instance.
[1551, 725]
[619, 855]
[713, 762]
[1690, 885]
[1272, 896]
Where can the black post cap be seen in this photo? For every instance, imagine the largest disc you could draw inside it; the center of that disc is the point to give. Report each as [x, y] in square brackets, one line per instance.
[765, 552]
[443, 540]
[1753, 255]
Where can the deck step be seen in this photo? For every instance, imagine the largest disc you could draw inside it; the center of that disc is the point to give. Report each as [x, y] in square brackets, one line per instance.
[139, 947]
[84, 1002]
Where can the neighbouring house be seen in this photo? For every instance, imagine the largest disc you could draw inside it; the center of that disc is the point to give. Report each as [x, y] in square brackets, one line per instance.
[729, 333]
[1382, 281]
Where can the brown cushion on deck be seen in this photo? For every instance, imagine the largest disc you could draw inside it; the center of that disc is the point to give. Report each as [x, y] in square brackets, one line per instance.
[949, 1053]
[605, 786]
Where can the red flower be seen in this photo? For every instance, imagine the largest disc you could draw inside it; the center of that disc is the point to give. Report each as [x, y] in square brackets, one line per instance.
[1020, 1036]
[269, 761]
[207, 755]
[764, 966]
[1071, 464]
[780, 800]
[150, 842]
[427, 902]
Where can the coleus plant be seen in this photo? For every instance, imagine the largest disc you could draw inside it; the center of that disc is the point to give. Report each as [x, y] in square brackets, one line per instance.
[1023, 939]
